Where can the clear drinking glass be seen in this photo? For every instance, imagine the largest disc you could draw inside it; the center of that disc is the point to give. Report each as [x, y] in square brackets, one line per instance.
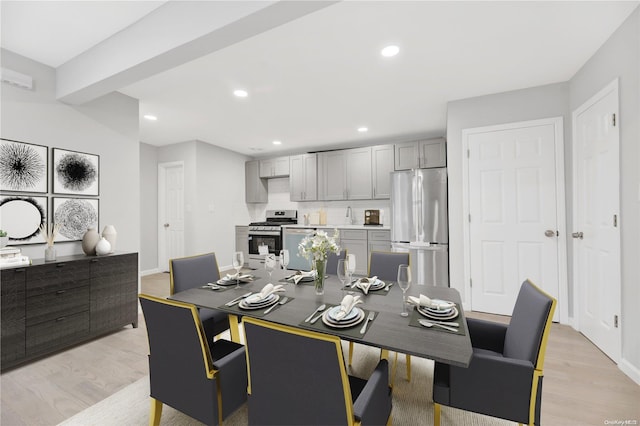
[284, 258]
[238, 263]
[351, 267]
[343, 273]
[270, 264]
[404, 282]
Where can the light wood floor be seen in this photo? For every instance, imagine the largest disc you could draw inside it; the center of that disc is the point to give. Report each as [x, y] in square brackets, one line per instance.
[581, 385]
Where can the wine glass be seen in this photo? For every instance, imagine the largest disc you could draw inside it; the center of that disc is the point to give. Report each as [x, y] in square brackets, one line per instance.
[238, 263]
[270, 264]
[284, 258]
[343, 272]
[404, 282]
[351, 266]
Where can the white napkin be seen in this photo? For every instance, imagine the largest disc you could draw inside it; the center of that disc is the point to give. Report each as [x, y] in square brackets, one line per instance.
[430, 303]
[365, 283]
[266, 291]
[300, 275]
[348, 302]
[236, 276]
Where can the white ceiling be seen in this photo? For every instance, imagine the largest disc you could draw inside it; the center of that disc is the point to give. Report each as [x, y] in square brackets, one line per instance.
[313, 81]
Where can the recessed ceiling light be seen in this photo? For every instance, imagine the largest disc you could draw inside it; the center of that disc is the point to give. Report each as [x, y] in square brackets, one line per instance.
[390, 51]
[363, 129]
[277, 142]
[150, 117]
[241, 93]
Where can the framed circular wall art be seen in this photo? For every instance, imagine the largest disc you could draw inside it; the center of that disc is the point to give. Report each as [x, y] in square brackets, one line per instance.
[23, 167]
[75, 173]
[21, 217]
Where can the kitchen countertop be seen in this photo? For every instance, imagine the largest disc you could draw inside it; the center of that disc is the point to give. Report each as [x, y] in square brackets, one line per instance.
[341, 226]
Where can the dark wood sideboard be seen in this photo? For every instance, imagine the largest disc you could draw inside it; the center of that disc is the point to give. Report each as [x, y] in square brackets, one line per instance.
[48, 306]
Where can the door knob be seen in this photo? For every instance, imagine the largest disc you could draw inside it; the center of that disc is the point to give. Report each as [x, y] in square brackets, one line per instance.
[550, 233]
[166, 225]
[577, 235]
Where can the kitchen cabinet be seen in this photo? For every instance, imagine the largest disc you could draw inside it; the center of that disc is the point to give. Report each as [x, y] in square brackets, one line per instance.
[422, 154]
[379, 240]
[345, 174]
[49, 306]
[242, 241]
[255, 187]
[382, 164]
[274, 167]
[303, 177]
[355, 242]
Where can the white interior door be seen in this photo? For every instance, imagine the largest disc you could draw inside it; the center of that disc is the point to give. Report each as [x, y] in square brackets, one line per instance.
[597, 234]
[513, 211]
[171, 213]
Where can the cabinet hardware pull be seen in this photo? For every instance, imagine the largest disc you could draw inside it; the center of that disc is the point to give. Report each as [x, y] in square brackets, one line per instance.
[61, 319]
[19, 270]
[61, 291]
[94, 260]
[60, 265]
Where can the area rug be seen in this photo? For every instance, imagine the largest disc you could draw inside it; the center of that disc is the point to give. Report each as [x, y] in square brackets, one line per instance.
[412, 403]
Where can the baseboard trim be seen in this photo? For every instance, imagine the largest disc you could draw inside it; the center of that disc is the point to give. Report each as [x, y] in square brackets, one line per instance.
[150, 272]
[630, 370]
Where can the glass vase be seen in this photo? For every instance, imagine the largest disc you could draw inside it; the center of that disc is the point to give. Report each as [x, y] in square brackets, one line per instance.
[49, 254]
[320, 267]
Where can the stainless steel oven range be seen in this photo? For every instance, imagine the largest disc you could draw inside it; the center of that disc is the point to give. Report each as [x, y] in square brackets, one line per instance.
[269, 233]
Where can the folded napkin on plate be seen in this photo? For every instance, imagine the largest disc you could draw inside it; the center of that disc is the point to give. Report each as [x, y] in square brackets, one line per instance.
[237, 276]
[348, 303]
[365, 284]
[430, 303]
[266, 291]
[300, 275]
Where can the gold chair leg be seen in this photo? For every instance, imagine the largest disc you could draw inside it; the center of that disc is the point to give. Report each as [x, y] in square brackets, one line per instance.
[408, 358]
[156, 412]
[350, 352]
[393, 370]
[436, 414]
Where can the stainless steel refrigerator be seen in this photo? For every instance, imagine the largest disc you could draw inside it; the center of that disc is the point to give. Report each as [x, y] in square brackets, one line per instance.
[419, 223]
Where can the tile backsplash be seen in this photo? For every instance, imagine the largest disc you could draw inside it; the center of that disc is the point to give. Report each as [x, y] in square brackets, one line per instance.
[336, 210]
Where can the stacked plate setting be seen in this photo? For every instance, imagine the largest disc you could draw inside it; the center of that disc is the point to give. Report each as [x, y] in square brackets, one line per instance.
[438, 314]
[377, 285]
[232, 281]
[354, 317]
[257, 302]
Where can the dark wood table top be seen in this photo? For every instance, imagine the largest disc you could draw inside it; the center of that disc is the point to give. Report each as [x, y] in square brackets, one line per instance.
[388, 331]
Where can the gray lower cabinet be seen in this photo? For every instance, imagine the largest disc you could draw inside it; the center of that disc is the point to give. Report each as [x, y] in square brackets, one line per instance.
[242, 240]
[49, 306]
[379, 240]
[355, 242]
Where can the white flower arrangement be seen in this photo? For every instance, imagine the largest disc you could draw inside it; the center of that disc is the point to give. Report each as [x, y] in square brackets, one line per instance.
[317, 247]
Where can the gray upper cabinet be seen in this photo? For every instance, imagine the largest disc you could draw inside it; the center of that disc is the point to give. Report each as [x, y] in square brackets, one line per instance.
[345, 174]
[255, 187]
[421, 154]
[303, 177]
[274, 167]
[382, 164]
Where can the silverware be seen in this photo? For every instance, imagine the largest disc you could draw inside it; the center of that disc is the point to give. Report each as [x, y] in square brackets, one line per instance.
[388, 286]
[237, 299]
[282, 302]
[428, 324]
[451, 324]
[320, 309]
[316, 318]
[370, 318]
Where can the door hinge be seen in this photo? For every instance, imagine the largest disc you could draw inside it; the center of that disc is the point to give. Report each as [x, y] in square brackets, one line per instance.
[613, 119]
[468, 153]
[469, 218]
[470, 282]
[615, 321]
[615, 220]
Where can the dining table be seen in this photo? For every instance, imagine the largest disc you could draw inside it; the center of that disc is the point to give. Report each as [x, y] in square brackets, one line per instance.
[388, 330]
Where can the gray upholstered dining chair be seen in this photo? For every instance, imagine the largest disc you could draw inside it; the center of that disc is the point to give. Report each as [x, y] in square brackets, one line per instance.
[305, 381]
[195, 271]
[384, 265]
[504, 378]
[205, 381]
[332, 261]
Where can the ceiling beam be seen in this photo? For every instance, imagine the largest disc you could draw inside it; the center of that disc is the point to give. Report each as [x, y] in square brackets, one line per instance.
[173, 34]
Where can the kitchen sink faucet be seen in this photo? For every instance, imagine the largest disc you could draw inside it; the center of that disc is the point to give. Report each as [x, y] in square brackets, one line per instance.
[349, 215]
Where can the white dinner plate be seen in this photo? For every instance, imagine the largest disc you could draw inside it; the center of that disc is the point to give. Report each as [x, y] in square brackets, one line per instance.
[344, 324]
[243, 279]
[262, 303]
[378, 285]
[429, 314]
[331, 314]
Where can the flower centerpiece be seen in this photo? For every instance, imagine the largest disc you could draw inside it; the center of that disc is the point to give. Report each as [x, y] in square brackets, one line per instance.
[316, 248]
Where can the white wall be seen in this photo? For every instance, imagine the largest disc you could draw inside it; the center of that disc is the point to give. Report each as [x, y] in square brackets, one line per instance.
[148, 208]
[107, 127]
[619, 58]
[519, 105]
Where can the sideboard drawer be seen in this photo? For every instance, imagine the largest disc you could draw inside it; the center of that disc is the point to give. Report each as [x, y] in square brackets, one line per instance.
[63, 302]
[55, 276]
[58, 332]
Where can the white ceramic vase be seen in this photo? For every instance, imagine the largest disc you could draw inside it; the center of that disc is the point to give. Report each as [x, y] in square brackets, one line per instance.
[110, 234]
[89, 241]
[103, 247]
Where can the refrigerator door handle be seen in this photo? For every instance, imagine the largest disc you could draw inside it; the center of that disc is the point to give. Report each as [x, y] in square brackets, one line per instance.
[420, 230]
